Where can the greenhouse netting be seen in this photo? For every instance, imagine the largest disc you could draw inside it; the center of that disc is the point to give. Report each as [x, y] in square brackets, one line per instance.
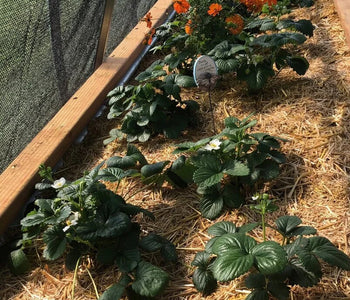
[47, 51]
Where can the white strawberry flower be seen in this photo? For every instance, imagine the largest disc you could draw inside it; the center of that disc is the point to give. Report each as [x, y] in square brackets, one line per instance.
[213, 145]
[256, 197]
[72, 221]
[59, 183]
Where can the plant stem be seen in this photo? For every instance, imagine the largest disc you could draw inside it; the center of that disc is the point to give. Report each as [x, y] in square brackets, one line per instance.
[263, 226]
[93, 283]
[75, 276]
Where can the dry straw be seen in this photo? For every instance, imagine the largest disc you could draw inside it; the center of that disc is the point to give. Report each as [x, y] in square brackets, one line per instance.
[312, 112]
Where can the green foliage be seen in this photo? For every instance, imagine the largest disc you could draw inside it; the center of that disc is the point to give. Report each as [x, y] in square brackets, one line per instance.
[272, 267]
[262, 43]
[84, 218]
[227, 164]
[153, 107]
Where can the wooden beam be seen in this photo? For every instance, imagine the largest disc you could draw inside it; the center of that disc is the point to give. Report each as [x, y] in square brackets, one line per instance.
[18, 180]
[343, 9]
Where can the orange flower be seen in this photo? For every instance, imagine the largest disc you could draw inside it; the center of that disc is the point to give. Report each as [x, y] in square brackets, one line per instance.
[253, 5]
[147, 19]
[181, 6]
[271, 2]
[149, 37]
[236, 24]
[188, 27]
[214, 9]
[257, 5]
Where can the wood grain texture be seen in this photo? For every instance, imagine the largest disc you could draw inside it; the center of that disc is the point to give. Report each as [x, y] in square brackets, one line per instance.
[18, 180]
[343, 10]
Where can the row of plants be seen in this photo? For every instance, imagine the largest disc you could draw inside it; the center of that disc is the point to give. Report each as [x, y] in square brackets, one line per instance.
[252, 40]
[85, 220]
[81, 220]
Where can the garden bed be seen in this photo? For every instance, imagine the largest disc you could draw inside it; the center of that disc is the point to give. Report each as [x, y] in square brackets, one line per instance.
[312, 112]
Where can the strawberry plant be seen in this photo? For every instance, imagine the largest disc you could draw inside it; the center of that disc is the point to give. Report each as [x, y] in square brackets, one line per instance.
[153, 107]
[85, 219]
[272, 267]
[226, 164]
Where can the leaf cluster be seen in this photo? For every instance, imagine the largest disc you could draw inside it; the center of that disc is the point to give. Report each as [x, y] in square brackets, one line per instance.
[86, 219]
[153, 107]
[272, 267]
[242, 161]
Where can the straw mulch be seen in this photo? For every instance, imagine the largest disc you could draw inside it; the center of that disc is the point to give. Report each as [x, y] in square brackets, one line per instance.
[311, 111]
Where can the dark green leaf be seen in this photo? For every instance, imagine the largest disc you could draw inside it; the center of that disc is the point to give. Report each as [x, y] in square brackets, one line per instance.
[55, 241]
[135, 153]
[211, 205]
[106, 255]
[152, 242]
[209, 245]
[18, 262]
[227, 65]
[299, 64]
[303, 230]
[72, 258]
[268, 170]
[149, 280]
[116, 291]
[299, 274]
[247, 227]
[115, 225]
[286, 224]
[121, 162]
[168, 252]
[303, 26]
[324, 249]
[277, 156]
[236, 168]
[255, 281]
[184, 81]
[201, 260]
[204, 281]
[152, 169]
[221, 228]
[269, 257]
[233, 241]
[232, 264]
[127, 260]
[232, 196]
[278, 39]
[33, 220]
[207, 177]
[278, 289]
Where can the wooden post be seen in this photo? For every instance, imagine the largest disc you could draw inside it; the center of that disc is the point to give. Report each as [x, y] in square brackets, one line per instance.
[106, 23]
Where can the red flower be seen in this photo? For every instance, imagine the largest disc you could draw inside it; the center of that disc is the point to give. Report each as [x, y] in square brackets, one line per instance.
[214, 9]
[147, 19]
[188, 27]
[181, 6]
[236, 24]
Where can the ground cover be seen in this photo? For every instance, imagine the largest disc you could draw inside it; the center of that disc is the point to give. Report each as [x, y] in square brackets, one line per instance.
[312, 112]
